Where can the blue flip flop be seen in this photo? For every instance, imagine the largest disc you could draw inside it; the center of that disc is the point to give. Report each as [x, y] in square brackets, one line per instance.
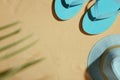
[66, 9]
[101, 16]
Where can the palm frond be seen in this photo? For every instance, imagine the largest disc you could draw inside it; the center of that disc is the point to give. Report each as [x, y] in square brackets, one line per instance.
[14, 43]
[18, 51]
[7, 74]
[10, 34]
[9, 25]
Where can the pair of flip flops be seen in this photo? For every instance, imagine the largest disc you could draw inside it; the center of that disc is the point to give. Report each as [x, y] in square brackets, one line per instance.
[96, 20]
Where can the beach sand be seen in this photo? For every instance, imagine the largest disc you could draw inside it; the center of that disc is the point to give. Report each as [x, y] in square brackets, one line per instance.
[63, 44]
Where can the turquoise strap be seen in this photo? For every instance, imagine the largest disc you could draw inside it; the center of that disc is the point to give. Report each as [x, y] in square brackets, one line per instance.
[108, 15]
[101, 17]
[71, 3]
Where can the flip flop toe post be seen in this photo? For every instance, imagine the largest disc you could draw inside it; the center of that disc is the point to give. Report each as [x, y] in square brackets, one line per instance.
[66, 9]
[101, 16]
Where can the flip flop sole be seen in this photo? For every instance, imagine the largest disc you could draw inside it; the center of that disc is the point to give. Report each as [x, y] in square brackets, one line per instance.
[100, 26]
[65, 13]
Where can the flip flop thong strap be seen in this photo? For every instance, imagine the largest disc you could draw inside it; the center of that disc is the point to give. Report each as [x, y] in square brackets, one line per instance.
[103, 16]
[72, 3]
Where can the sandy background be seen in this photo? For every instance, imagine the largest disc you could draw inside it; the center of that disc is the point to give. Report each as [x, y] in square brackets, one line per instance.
[63, 44]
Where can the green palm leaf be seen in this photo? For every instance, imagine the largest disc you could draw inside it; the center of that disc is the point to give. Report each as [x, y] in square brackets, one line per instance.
[14, 43]
[7, 74]
[9, 25]
[16, 52]
[10, 34]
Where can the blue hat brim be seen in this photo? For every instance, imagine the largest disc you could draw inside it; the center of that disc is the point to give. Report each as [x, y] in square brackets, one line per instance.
[97, 51]
[64, 13]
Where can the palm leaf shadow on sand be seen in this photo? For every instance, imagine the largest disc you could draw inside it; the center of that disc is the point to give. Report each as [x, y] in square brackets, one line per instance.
[4, 75]
[7, 74]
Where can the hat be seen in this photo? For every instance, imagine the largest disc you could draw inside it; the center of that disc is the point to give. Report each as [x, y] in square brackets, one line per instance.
[66, 9]
[104, 59]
